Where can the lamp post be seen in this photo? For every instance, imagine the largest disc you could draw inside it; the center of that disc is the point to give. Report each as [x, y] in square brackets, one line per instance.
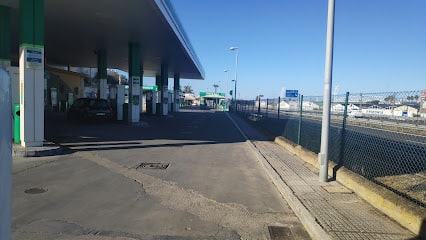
[227, 81]
[235, 86]
[236, 73]
[325, 128]
[215, 88]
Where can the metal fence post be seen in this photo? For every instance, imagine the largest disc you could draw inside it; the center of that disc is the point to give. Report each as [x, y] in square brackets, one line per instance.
[299, 132]
[252, 106]
[258, 109]
[342, 136]
[279, 101]
[267, 103]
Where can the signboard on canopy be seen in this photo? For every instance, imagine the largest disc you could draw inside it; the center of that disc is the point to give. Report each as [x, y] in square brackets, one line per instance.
[145, 88]
[150, 88]
[203, 94]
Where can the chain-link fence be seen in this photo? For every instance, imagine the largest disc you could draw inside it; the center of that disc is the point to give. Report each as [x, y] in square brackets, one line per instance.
[381, 136]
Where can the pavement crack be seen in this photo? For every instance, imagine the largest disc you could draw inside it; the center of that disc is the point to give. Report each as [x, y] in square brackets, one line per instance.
[228, 215]
[140, 192]
[44, 162]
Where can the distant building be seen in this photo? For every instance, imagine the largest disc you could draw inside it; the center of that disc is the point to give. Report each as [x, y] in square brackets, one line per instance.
[377, 110]
[309, 106]
[289, 105]
[340, 108]
[405, 111]
[190, 99]
[423, 102]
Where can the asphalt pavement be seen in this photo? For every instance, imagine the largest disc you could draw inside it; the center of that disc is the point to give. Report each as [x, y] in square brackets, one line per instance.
[197, 174]
[189, 175]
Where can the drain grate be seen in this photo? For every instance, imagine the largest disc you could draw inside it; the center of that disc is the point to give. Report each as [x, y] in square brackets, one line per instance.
[279, 233]
[296, 231]
[153, 166]
[35, 190]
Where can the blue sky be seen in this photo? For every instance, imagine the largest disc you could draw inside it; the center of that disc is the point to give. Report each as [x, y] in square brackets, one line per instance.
[379, 45]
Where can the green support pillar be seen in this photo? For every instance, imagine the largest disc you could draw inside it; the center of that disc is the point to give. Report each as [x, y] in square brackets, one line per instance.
[32, 22]
[31, 72]
[176, 89]
[158, 81]
[4, 37]
[102, 73]
[157, 94]
[135, 82]
[165, 89]
[134, 59]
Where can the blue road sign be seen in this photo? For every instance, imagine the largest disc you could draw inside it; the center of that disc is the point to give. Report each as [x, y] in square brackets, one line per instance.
[291, 93]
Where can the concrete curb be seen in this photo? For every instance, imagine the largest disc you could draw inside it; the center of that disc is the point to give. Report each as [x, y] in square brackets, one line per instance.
[314, 229]
[309, 222]
[396, 207]
[48, 149]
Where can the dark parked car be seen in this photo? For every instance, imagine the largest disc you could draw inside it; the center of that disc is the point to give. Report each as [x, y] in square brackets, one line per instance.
[87, 109]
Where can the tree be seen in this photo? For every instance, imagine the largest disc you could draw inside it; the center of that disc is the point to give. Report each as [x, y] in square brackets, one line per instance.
[416, 98]
[187, 89]
[390, 99]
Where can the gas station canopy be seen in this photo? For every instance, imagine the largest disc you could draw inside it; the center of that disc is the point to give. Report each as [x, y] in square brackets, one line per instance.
[212, 95]
[75, 30]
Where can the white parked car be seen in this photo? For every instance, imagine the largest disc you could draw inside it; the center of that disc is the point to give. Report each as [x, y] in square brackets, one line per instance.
[355, 113]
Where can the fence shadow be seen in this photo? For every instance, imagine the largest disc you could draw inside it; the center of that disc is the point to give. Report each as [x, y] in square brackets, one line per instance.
[379, 155]
[422, 233]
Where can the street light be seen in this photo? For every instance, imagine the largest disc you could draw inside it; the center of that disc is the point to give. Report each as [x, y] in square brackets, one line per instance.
[325, 127]
[215, 88]
[236, 72]
[227, 81]
[235, 83]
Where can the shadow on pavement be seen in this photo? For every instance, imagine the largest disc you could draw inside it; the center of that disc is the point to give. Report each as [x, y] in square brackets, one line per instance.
[188, 127]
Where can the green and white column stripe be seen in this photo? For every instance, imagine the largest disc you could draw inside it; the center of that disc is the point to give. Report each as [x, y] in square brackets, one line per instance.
[135, 82]
[31, 72]
[165, 89]
[176, 89]
[102, 73]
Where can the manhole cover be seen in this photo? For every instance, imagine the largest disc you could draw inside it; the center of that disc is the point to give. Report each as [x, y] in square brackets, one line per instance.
[35, 190]
[153, 166]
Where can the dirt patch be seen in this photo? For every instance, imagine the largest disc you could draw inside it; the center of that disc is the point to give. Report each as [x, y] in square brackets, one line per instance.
[413, 185]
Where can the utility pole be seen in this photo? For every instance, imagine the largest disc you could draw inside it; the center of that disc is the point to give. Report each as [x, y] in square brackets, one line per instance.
[323, 155]
[5, 155]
